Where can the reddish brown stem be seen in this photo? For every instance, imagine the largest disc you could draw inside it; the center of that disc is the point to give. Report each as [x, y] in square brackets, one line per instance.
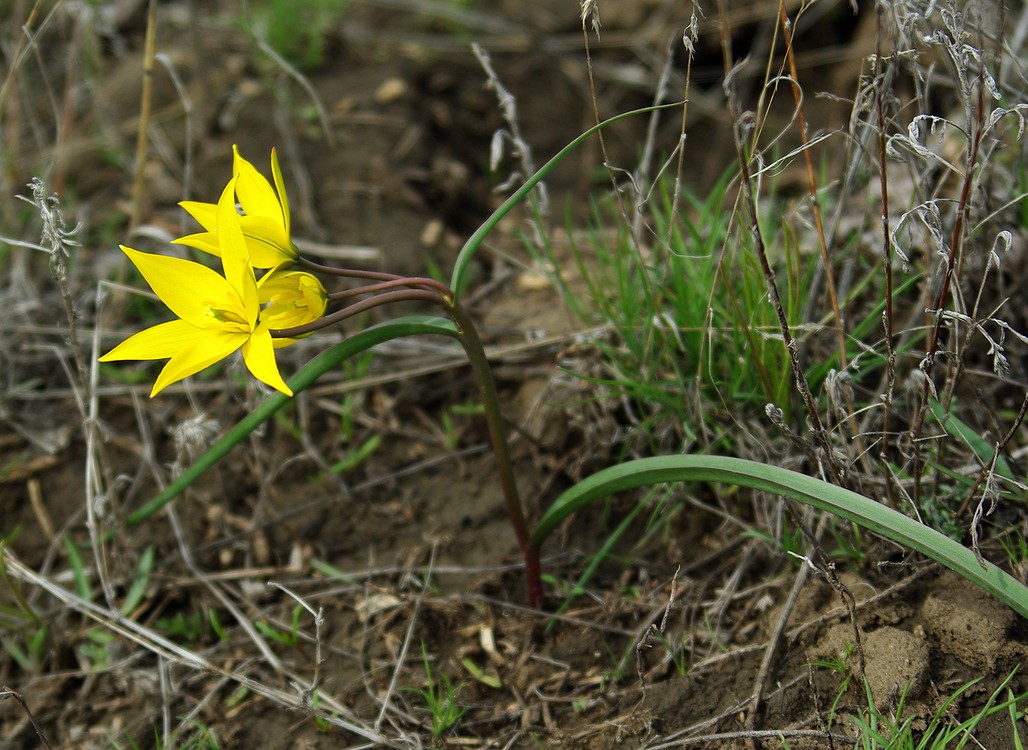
[472, 344]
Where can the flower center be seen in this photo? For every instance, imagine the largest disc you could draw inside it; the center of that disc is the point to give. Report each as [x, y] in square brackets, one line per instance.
[227, 316]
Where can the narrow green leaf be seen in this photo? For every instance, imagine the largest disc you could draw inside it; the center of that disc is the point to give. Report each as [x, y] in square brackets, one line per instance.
[139, 582]
[815, 492]
[357, 457]
[489, 680]
[78, 570]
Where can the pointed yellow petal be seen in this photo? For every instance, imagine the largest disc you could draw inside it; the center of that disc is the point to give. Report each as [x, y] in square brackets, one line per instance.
[294, 298]
[269, 240]
[254, 191]
[159, 342]
[204, 350]
[280, 188]
[235, 257]
[259, 356]
[206, 214]
[206, 241]
[264, 253]
[187, 288]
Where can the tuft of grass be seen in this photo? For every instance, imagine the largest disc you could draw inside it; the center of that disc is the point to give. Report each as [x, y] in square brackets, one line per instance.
[686, 307]
[878, 730]
[439, 698]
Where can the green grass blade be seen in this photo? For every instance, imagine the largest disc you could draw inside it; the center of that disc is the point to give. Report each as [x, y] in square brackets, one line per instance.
[601, 554]
[328, 360]
[1012, 710]
[140, 582]
[78, 570]
[982, 448]
[822, 495]
[467, 252]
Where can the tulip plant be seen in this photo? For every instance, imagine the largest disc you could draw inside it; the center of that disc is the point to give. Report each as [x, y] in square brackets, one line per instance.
[268, 296]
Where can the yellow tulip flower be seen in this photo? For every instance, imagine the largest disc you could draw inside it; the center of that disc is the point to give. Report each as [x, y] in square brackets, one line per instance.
[291, 298]
[217, 315]
[265, 220]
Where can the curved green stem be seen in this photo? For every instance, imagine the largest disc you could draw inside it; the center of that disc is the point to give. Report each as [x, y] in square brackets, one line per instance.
[472, 344]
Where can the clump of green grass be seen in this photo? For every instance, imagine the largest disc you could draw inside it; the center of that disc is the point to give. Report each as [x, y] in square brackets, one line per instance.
[439, 699]
[882, 730]
[857, 318]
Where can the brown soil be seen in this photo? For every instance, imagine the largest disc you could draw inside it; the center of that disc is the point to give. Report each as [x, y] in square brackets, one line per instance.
[672, 637]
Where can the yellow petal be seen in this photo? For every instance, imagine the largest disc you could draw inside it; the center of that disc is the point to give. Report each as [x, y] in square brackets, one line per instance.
[314, 295]
[206, 241]
[269, 244]
[294, 298]
[254, 191]
[292, 286]
[235, 257]
[259, 356]
[280, 188]
[265, 248]
[189, 289]
[206, 214]
[213, 345]
[159, 342]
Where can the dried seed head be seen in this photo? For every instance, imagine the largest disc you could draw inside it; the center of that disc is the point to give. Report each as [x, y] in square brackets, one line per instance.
[591, 15]
[55, 237]
[193, 436]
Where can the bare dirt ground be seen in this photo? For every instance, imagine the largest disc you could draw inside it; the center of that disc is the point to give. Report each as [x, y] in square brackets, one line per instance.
[408, 556]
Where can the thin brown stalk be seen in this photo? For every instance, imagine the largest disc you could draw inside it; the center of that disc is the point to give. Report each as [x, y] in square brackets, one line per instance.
[475, 351]
[427, 285]
[890, 353]
[890, 350]
[688, 40]
[749, 196]
[389, 280]
[498, 437]
[591, 12]
[788, 31]
[403, 295]
[146, 99]
[953, 260]
[5, 693]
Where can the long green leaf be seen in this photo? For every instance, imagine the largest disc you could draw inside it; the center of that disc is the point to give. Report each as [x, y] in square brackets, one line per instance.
[822, 495]
[409, 326]
[467, 252]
